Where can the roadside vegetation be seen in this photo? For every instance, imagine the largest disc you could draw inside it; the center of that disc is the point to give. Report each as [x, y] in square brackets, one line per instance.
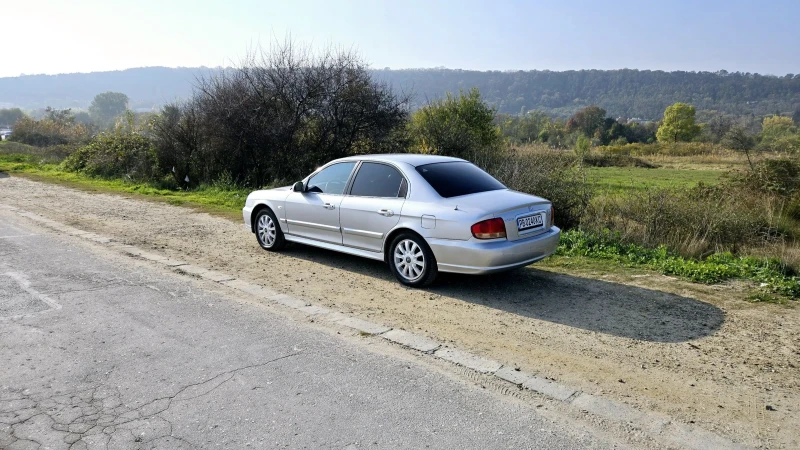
[709, 201]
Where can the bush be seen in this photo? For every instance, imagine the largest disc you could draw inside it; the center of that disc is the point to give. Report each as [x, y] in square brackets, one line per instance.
[714, 269]
[57, 128]
[665, 149]
[278, 117]
[554, 175]
[770, 176]
[461, 126]
[616, 160]
[693, 223]
[48, 155]
[115, 155]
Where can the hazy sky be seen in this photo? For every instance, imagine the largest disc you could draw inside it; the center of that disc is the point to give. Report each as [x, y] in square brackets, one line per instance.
[91, 35]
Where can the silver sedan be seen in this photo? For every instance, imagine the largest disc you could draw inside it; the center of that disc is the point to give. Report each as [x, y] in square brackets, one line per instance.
[421, 214]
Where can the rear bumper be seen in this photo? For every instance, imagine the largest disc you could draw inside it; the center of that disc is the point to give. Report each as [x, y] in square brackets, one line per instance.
[480, 257]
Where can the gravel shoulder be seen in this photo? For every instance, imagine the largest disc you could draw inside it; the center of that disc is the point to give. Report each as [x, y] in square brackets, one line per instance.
[700, 354]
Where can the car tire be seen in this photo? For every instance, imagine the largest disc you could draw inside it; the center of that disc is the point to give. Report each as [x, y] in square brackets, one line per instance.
[268, 231]
[411, 261]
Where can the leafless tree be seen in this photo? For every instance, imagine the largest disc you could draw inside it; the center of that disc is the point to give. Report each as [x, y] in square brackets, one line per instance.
[286, 110]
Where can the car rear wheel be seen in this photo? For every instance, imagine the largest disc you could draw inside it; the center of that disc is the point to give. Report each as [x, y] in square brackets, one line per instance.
[268, 232]
[412, 261]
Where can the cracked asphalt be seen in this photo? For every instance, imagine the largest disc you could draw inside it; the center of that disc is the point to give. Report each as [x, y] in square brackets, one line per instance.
[100, 351]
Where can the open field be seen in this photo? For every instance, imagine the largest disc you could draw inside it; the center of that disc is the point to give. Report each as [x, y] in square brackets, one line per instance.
[621, 178]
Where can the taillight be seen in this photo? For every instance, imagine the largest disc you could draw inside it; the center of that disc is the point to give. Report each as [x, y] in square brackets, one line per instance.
[489, 229]
[552, 216]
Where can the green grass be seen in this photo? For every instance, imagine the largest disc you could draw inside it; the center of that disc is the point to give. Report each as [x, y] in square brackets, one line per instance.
[226, 202]
[770, 273]
[625, 178]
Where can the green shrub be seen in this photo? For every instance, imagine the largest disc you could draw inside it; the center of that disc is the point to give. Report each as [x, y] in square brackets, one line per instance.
[49, 155]
[459, 125]
[693, 223]
[553, 174]
[660, 148]
[616, 160]
[115, 155]
[713, 269]
[769, 176]
[57, 128]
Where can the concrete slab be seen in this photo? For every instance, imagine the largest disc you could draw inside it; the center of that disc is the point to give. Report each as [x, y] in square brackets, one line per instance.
[97, 238]
[411, 340]
[152, 256]
[213, 275]
[609, 409]
[130, 250]
[288, 300]
[513, 375]
[363, 326]
[313, 310]
[250, 288]
[172, 262]
[468, 360]
[187, 268]
[548, 388]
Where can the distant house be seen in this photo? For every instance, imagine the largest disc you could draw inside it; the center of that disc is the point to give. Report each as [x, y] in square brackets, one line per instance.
[4, 133]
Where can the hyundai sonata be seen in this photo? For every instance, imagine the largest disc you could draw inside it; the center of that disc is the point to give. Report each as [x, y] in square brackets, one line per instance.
[421, 214]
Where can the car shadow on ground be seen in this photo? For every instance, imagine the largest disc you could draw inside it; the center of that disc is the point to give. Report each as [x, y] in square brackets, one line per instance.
[595, 305]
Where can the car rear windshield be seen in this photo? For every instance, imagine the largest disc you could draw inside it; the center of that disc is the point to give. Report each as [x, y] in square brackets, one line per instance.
[451, 179]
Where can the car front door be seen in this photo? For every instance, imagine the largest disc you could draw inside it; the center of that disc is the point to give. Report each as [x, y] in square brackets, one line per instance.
[372, 207]
[314, 213]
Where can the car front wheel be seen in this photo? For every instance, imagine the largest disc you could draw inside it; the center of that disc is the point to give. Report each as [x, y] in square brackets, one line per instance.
[412, 261]
[268, 232]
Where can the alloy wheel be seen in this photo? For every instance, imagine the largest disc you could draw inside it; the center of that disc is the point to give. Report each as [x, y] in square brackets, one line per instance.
[409, 260]
[266, 230]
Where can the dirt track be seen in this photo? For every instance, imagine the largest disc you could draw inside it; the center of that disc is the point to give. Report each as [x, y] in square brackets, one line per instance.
[698, 353]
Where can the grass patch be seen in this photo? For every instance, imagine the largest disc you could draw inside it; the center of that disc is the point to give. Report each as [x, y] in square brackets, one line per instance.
[225, 202]
[765, 297]
[774, 277]
[627, 178]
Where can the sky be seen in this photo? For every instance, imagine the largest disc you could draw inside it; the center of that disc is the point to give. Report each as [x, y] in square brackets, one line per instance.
[69, 36]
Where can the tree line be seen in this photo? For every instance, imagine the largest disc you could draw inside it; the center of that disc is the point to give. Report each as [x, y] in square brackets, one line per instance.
[623, 93]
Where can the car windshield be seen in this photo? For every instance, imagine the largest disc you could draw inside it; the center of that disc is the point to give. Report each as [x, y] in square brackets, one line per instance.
[452, 179]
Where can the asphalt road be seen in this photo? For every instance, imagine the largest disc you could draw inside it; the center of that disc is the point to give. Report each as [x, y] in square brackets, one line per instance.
[97, 350]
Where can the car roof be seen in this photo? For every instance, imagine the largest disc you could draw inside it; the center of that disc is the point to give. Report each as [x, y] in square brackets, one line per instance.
[413, 159]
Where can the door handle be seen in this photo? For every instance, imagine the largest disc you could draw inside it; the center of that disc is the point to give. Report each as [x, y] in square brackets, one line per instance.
[328, 206]
[386, 212]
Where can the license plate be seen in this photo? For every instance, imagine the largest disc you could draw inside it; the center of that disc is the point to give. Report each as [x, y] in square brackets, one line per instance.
[528, 222]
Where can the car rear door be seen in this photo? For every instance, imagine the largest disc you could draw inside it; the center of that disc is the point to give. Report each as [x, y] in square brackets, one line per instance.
[372, 207]
[314, 214]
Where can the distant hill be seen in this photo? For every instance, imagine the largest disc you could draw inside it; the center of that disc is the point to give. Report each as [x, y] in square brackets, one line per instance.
[625, 93]
[147, 87]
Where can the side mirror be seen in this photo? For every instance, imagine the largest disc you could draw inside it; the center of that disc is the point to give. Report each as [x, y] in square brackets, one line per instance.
[298, 187]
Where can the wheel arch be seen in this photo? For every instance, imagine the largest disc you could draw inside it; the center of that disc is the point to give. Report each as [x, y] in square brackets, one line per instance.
[393, 234]
[257, 209]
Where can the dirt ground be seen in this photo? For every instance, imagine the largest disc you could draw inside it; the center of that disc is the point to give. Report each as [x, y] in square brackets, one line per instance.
[700, 354]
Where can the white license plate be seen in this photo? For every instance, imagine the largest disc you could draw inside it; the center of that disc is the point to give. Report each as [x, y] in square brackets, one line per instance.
[528, 222]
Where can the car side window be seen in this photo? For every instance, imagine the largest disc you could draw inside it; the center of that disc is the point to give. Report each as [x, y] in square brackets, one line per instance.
[332, 179]
[377, 180]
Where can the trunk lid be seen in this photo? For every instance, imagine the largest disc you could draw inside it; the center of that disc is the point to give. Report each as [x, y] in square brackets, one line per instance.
[510, 206]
